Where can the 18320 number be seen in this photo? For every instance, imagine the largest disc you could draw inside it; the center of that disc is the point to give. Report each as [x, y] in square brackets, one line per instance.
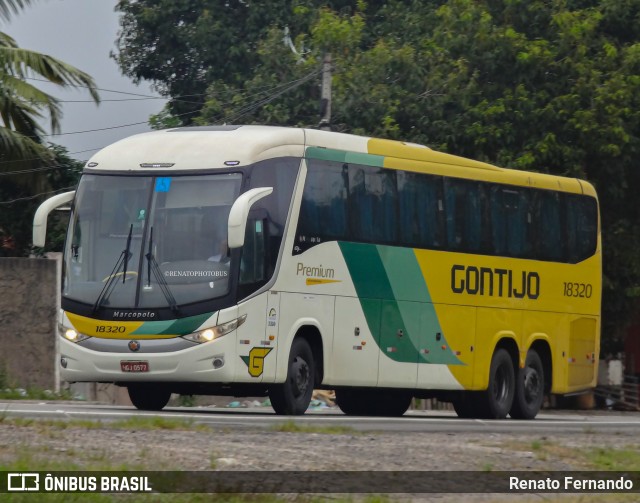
[584, 290]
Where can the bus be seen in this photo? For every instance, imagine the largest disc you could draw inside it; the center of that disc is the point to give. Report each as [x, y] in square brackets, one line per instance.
[272, 261]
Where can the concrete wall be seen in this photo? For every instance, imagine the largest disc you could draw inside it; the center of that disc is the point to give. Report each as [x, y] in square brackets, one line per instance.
[29, 290]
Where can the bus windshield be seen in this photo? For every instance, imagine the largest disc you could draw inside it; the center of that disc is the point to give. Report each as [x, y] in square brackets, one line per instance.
[149, 241]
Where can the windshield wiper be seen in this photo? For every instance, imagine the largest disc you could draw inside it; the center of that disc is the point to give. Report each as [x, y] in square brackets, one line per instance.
[123, 260]
[152, 266]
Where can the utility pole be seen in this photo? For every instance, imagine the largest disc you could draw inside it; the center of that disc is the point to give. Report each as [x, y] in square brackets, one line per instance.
[325, 94]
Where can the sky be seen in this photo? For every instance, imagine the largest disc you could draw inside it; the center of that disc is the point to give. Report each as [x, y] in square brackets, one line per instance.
[82, 33]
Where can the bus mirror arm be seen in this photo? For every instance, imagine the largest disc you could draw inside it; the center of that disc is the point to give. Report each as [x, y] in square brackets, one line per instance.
[42, 213]
[240, 212]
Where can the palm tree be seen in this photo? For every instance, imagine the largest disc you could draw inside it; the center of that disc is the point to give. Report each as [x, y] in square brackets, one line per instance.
[21, 103]
[22, 151]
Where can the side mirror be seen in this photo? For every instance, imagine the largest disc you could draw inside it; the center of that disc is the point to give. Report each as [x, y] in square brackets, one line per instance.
[239, 213]
[42, 213]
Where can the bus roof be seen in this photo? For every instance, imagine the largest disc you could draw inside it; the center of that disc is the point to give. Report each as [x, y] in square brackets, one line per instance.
[215, 147]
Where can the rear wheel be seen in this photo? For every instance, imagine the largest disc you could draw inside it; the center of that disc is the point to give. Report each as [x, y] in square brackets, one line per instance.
[292, 398]
[529, 388]
[373, 402]
[148, 396]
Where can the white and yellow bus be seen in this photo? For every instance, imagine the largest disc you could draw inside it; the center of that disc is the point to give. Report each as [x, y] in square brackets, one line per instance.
[256, 260]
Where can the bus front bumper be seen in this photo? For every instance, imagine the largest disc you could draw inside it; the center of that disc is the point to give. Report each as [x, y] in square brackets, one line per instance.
[213, 362]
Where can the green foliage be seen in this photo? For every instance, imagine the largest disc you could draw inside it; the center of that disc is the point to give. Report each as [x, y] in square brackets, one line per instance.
[545, 86]
[23, 104]
[18, 204]
[24, 159]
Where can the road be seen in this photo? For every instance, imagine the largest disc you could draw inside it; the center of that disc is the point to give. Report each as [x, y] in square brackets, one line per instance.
[413, 421]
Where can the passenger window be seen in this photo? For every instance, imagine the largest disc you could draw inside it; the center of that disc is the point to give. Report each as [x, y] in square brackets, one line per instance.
[582, 227]
[323, 212]
[548, 226]
[465, 205]
[373, 213]
[511, 221]
[421, 210]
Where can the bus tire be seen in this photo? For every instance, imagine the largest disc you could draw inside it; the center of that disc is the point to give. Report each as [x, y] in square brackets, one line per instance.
[373, 402]
[351, 401]
[292, 398]
[529, 388]
[466, 404]
[148, 396]
[390, 403]
[498, 398]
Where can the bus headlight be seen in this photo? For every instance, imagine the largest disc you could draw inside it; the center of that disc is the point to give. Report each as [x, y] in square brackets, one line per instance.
[71, 335]
[210, 334]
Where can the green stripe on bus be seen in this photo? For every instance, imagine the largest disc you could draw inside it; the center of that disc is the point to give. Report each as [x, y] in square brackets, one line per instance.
[172, 327]
[403, 321]
[366, 270]
[404, 273]
[327, 154]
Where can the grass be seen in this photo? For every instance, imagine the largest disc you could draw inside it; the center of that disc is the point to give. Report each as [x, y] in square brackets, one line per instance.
[584, 458]
[133, 423]
[156, 423]
[33, 393]
[293, 427]
[614, 459]
[10, 390]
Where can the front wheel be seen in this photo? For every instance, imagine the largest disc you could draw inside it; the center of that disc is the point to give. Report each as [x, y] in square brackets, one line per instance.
[292, 398]
[529, 388]
[496, 401]
[148, 396]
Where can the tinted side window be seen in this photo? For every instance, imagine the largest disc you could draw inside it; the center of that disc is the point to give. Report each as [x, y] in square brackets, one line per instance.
[510, 221]
[267, 220]
[582, 226]
[323, 211]
[421, 210]
[373, 214]
[401, 208]
[548, 222]
[465, 204]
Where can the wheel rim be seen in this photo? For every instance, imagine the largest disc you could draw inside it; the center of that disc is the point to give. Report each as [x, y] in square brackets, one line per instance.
[299, 376]
[531, 385]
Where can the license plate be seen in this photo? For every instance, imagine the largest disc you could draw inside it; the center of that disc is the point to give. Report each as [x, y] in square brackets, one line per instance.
[134, 366]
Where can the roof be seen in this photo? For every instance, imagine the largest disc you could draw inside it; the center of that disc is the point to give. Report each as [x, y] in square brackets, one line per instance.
[216, 147]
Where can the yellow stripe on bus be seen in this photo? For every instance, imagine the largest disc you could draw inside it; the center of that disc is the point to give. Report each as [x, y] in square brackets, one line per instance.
[110, 329]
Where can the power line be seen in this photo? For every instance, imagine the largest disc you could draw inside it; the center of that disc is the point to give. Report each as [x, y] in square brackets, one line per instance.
[117, 100]
[27, 198]
[254, 106]
[96, 88]
[35, 170]
[282, 89]
[40, 158]
[279, 89]
[147, 96]
[243, 111]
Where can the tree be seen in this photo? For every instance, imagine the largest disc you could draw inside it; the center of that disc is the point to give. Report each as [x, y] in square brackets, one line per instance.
[22, 104]
[527, 84]
[18, 204]
[24, 159]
